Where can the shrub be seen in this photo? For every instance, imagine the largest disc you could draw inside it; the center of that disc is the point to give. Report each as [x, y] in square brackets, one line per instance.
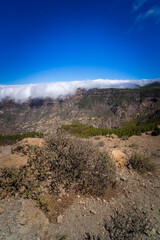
[130, 225]
[134, 146]
[80, 165]
[141, 163]
[97, 138]
[65, 163]
[101, 144]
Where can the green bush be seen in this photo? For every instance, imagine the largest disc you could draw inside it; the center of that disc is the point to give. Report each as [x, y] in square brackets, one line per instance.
[11, 139]
[141, 163]
[130, 129]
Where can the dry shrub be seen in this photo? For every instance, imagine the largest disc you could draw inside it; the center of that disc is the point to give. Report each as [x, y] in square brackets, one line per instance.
[101, 144]
[129, 225]
[97, 138]
[80, 165]
[63, 164]
[141, 163]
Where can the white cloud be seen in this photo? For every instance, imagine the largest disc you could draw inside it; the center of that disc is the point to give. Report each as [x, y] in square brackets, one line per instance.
[138, 3]
[153, 12]
[21, 93]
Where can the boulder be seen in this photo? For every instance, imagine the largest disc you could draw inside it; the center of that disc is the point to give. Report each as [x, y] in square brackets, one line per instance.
[24, 145]
[12, 161]
[156, 131]
[119, 158]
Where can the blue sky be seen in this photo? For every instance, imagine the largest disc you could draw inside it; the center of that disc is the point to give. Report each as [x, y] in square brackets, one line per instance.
[66, 40]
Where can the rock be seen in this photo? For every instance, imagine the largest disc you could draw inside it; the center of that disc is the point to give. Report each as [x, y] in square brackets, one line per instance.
[158, 232]
[22, 189]
[156, 131]
[148, 133]
[150, 233]
[119, 158]
[12, 161]
[153, 232]
[1, 210]
[134, 207]
[24, 145]
[3, 195]
[59, 219]
[93, 212]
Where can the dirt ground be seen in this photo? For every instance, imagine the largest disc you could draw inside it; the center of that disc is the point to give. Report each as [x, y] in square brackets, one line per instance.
[86, 217]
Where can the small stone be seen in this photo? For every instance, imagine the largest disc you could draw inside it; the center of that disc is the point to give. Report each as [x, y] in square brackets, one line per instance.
[3, 194]
[93, 212]
[134, 207]
[150, 233]
[158, 232]
[1, 210]
[22, 189]
[59, 219]
[59, 200]
[38, 239]
[153, 232]
[123, 179]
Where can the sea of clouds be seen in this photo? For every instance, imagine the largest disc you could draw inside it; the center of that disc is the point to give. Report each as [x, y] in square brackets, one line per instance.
[21, 93]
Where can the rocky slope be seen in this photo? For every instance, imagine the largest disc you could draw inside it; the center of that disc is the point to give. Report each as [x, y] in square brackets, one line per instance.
[131, 210]
[98, 107]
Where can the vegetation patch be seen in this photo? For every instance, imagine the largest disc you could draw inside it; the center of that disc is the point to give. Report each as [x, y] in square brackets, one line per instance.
[130, 128]
[118, 97]
[141, 163]
[80, 165]
[11, 139]
[130, 225]
[64, 164]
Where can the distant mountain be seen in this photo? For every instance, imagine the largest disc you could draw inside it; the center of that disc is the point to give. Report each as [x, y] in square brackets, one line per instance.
[106, 108]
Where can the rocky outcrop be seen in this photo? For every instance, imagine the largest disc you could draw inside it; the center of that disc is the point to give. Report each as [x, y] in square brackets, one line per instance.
[119, 158]
[12, 161]
[24, 145]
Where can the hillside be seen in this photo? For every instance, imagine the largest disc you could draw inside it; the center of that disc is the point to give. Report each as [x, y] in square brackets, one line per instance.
[55, 189]
[59, 186]
[105, 108]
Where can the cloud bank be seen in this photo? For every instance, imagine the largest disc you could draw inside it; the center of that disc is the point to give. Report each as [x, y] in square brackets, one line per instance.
[21, 93]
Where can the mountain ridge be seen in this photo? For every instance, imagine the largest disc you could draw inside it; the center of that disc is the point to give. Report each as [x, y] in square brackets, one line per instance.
[107, 108]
